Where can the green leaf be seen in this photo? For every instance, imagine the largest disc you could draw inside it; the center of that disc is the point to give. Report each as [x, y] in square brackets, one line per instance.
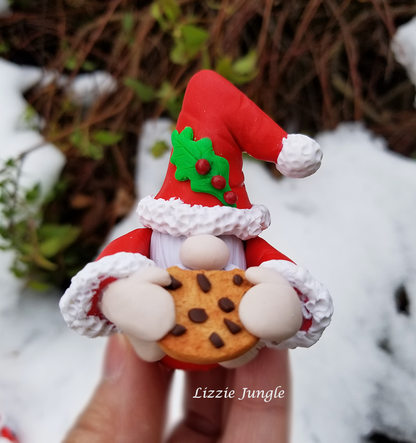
[39, 285]
[144, 92]
[4, 232]
[170, 9]
[77, 138]
[26, 249]
[9, 212]
[159, 148]
[227, 9]
[171, 99]
[156, 13]
[29, 114]
[89, 66]
[128, 22]
[166, 91]
[194, 37]
[33, 194]
[186, 152]
[82, 142]
[71, 62]
[94, 151]
[107, 138]
[55, 238]
[178, 54]
[18, 272]
[246, 65]
[227, 68]
[4, 48]
[189, 41]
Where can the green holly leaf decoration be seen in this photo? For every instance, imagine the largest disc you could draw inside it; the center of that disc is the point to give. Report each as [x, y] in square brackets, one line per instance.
[187, 152]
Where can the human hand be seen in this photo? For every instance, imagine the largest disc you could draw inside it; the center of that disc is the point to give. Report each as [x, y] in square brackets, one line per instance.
[129, 405]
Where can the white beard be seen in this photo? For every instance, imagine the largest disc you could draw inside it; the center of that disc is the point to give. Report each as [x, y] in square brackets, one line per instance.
[164, 251]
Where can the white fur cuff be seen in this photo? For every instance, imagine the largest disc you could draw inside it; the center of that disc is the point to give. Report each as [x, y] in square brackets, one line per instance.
[77, 300]
[316, 303]
[300, 156]
[176, 218]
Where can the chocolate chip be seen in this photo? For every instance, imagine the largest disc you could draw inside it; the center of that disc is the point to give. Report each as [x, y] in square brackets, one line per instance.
[175, 283]
[238, 280]
[203, 282]
[226, 304]
[197, 315]
[216, 340]
[178, 330]
[232, 327]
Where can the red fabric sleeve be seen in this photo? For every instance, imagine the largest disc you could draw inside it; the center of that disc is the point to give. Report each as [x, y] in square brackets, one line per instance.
[259, 251]
[137, 241]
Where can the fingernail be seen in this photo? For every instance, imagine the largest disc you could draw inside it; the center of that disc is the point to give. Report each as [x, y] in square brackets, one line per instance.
[115, 357]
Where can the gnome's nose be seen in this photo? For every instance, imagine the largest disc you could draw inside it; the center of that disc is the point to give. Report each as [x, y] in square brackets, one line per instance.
[204, 252]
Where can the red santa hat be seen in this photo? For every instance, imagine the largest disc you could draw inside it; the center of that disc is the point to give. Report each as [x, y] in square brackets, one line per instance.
[204, 191]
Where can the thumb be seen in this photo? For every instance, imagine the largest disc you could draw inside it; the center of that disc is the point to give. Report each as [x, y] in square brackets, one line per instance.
[129, 403]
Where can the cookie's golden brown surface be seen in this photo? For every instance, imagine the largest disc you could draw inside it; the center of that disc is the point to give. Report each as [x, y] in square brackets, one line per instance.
[208, 328]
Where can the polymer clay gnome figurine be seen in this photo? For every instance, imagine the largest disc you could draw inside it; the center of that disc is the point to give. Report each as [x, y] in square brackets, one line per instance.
[202, 220]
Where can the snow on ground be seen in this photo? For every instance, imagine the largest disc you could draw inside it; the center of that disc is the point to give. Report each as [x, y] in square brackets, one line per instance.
[40, 390]
[44, 164]
[351, 224]
[41, 166]
[404, 48]
[4, 7]
[85, 88]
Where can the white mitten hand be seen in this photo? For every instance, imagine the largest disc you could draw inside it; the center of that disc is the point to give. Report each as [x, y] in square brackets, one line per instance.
[270, 310]
[139, 305]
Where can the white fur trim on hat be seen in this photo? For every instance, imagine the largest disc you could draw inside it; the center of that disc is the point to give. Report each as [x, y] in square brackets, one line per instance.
[77, 300]
[316, 303]
[300, 156]
[176, 218]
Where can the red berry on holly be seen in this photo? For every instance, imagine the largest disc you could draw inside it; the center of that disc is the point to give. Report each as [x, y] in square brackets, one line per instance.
[230, 197]
[218, 181]
[202, 166]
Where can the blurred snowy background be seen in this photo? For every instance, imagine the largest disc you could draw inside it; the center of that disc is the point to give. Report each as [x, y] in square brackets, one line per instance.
[352, 225]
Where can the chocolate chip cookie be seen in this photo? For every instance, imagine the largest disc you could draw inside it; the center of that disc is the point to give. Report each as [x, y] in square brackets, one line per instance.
[208, 329]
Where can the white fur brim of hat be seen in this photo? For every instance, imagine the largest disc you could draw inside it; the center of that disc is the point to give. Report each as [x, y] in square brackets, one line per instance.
[176, 218]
